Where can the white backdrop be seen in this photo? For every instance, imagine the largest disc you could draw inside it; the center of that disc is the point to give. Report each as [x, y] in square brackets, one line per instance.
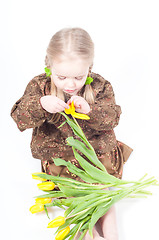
[125, 34]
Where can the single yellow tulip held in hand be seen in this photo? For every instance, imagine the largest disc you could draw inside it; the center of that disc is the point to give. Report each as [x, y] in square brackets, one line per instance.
[71, 111]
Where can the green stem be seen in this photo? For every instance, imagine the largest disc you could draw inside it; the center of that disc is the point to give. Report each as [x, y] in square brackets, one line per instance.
[78, 229]
[83, 234]
[95, 202]
[78, 126]
[88, 144]
[83, 211]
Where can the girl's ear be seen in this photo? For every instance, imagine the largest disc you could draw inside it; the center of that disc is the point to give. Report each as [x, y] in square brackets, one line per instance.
[90, 68]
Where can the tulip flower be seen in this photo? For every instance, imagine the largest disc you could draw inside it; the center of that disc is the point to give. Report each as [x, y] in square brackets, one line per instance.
[46, 186]
[87, 201]
[71, 111]
[43, 200]
[63, 233]
[37, 208]
[38, 178]
[58, 221]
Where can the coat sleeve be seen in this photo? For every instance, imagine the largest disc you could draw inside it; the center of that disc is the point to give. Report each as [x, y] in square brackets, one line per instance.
[27, 112]
[104, 114]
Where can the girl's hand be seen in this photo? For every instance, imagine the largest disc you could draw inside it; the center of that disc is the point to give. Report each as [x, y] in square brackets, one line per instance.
[53, 104]
[81, 105]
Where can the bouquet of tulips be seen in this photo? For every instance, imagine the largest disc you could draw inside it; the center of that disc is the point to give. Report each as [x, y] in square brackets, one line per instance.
[84, 202]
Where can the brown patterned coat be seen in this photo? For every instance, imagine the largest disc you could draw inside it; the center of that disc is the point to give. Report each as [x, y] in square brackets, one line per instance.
[48, 141]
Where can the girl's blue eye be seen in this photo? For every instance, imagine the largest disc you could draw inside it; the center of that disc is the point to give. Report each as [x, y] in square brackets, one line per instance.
[62, 78]
[79, 78]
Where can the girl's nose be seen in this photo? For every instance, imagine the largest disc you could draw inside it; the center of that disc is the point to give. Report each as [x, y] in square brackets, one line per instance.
[71, 83]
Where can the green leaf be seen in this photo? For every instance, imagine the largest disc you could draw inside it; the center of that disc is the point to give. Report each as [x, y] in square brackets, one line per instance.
[76, 129]
[89, 153]
[58, 179]
[87, 213]
[62, 124]
[73, 192]
[46, 211]
[91, 203]
[54, 194]
[78, 227]
[98, 175]
[83, 234]
[67, 223]
[56, 202]
[73, 232]
[86, 225]
[77, 200]
[75, 170]
[98, 213]
[80, 216]
[69, 210]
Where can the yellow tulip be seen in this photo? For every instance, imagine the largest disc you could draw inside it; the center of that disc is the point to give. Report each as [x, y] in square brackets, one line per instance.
[37, 208]
[71, 108]
[63, 233]
[71, 111]
[46, 186]
[58, 221]
[38, 178]
[43, 200]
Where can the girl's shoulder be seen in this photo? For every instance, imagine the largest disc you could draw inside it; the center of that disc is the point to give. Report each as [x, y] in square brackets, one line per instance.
[40, 81]
[98, 80]
[41, 78]
[100, 84]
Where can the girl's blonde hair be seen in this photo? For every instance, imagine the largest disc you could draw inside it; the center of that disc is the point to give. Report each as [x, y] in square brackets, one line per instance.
[70, 42]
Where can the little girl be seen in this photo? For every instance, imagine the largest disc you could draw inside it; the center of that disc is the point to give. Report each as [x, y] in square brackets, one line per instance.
[69, 59]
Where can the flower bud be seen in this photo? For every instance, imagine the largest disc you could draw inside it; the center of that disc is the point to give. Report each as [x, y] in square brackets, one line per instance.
[38, 178]
[58, 221]
[63, 233]
[43, 200]
[37, 208]
[46, 186]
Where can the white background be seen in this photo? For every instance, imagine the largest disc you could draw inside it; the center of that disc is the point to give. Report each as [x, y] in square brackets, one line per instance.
[125, 34]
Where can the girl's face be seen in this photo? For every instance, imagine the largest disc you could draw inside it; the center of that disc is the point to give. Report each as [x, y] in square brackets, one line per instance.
[70, 75]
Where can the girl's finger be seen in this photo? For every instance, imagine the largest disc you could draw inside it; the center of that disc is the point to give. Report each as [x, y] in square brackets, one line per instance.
[63, 104]
[71, 99]
[77, 103]
[60, 109]
[69, 102]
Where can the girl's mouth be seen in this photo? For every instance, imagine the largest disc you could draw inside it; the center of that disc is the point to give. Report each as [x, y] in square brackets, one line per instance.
[70, 91]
